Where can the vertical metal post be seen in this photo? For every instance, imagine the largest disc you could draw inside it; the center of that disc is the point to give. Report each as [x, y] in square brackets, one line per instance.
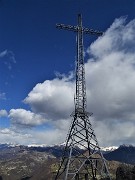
[86, 177]
[77, 177]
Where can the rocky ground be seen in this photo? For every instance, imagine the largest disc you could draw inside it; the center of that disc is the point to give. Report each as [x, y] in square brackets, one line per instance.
[25, 165]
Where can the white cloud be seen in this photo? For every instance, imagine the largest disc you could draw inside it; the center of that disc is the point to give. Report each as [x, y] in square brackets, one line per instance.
[49, 137]
[3, 113]
[22, 117]
[112, 74]
[52, 97]
[3, 53]
[10, 136]
[114, 131]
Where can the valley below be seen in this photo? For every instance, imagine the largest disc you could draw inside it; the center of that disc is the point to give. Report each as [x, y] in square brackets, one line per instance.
[19, 162]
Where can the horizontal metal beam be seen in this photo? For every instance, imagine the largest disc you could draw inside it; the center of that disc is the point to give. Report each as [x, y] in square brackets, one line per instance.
[77, 28]
[67, 27]
[91, 31]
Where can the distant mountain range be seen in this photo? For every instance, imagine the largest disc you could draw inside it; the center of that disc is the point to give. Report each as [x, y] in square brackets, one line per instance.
[125, 154]
[11, 150]
[30, 162]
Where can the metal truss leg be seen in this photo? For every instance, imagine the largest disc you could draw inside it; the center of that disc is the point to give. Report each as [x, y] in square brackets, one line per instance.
[77, 177]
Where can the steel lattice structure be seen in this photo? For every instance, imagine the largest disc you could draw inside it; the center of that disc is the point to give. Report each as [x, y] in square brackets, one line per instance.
[77, 164]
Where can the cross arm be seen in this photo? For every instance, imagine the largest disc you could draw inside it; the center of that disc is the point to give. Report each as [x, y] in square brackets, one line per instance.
[66, 27]
[77, 28]
[93, 32]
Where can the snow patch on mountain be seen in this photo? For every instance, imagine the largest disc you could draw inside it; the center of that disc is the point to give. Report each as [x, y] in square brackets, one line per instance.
[37, 145]
[126, 145]
[109, 149]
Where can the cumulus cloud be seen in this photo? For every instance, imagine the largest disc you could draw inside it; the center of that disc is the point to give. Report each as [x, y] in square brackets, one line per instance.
[22, 117]
[110, 77]
[10, 58]
[110, 73]
[114, 131]
[3, 113]
[48, 137]
[54, 98]
[7, 135]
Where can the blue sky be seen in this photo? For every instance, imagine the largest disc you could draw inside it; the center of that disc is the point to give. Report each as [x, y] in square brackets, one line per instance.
[33, 51]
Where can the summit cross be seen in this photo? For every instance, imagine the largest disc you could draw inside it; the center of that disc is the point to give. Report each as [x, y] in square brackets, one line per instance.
[82, 157]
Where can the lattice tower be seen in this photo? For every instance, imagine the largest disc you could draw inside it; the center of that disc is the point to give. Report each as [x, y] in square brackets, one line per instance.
[82, 157]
